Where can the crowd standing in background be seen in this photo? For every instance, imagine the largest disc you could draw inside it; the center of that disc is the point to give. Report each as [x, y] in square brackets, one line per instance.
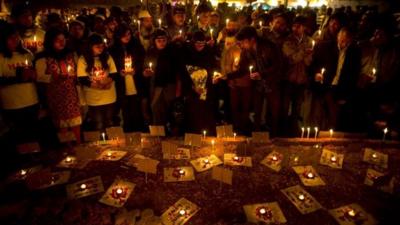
[196, 67]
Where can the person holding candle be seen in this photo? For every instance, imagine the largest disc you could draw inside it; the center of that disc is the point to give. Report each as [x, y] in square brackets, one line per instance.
[128, 55]
[203, 12]
[297, 50]
[266, 75]
[97, 72]
[146, 28]
[55, 67]
[177, 30]
[18, 94]
[32, 36]
[77, 37]
[334, 90]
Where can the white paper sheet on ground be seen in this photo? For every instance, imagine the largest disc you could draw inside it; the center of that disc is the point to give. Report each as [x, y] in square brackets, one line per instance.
[301, 199]
[273, 160]
[231, 159]
[111, 155]
[205, 163]
[85, 188]
[179, 213]
[57, 178]
[376, 158]
[178, 174]
[331, 159]
[269, 213]
[304, 173]
[352, 214]
[118, 193]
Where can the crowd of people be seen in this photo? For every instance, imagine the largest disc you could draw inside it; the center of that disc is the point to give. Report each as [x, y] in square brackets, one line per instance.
[195, 67]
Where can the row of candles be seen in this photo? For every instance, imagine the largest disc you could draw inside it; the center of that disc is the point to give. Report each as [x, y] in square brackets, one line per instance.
[385, 131]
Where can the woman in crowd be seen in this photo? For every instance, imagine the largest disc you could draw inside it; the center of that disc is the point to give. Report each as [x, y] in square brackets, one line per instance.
[18, 95]
[97, 72]
[55, 66]
[128, 55]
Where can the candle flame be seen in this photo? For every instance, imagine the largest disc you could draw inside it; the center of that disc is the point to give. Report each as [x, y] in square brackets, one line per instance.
[322, 71]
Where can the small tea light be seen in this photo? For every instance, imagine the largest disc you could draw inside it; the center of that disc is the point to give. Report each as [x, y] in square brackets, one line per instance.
[310, 175]
[83, 186]
[333, 159]
[351, 213]
[274, 158]
[296, 159]
[23, 172]
[375, 156]
[301, 197]
[262, 211]
[68, 159]
[109, 154]
[181, 172]
[204, 134]
[234, 136]
[120, 191]
[331, 133]
[236, 158]
[206, 161]
[182, 212]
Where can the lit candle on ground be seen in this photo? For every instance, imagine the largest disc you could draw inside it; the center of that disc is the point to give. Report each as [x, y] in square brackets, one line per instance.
[204, 134]
[312, 44]
[316, 132]
[302, 132]
[150, 65]
[296, 159]
[182, 212]
[308, 132]
[251, 69]
[159, 23]
[274, 158]
[109, 154]
[83, 186]
[333, 159]
[181, 172]
[26, 63]
[206, 161]
[351, 213]
[331, 133]
[234, 136]
[374, 156]
[236, 158]
[384, 133]
[310, 175]
[103, 135]
[68, 159]
[119, 191]
[373, 71]
[262, 211]
[23, 172]
[34, 40]
[301, 197]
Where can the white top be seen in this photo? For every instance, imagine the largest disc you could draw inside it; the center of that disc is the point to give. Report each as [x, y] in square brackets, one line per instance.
[20, 95]
[97, 97]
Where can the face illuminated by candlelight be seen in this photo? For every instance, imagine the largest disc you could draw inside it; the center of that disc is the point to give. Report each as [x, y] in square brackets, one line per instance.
[83, 186]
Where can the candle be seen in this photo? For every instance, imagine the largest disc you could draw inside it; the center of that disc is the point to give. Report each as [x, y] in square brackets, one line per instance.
[251, 69]
[260, 23]
[351, 213]
[23, 172]
[301, 197]
[302, 132]
[109, 154]
[180, 32]
[159, 23]
[308, 132]
[204, 134]
[312, 44]
[375, 156]
[26, 63]
[227, 21]
[319, 32]
[236, 61]
[105, 40]
[103, 135]
[235, 158]
[296, 159]
[310, 175]
[181, 172]
[234, 136]
[211, 33]
[274, 158]
[128, 64]
[68, 69]
[262, 211]
[206, 161]
[119, 191]
[322, 75]
[182, 212]
[316, 132]
[138, 25]
[34, 39]
[384, 133]
[83, 186]
[151, 65]
[68, 159]
[333, 159]
[373, 71]
[331, 133]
